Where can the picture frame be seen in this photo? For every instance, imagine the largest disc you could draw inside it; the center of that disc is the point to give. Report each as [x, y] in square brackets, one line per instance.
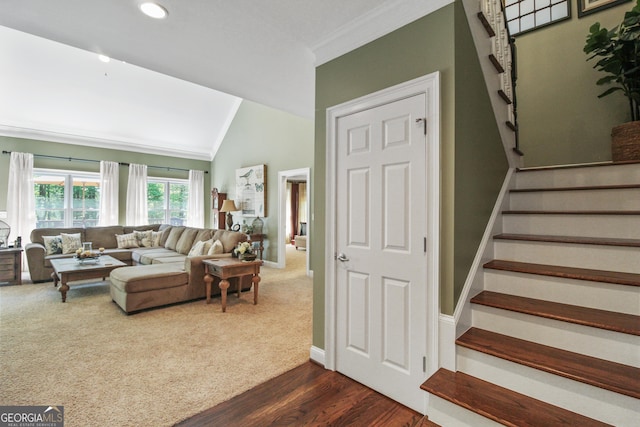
[587, 7]
[251, 190]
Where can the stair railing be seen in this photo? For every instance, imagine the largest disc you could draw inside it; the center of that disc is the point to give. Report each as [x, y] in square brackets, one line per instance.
[503, 58]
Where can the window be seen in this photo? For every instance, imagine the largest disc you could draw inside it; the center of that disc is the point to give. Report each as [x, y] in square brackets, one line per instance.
[167, 201]
[527, 15]
[66, 199]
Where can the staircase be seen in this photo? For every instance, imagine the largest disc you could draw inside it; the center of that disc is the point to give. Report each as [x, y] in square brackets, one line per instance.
[555, 333]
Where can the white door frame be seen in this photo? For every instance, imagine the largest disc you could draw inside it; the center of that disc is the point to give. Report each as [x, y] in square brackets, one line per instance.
[429, 85]
[282, 212]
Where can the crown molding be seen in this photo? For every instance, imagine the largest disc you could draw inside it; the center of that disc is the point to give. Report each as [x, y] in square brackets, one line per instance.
[373, 25]
[110, 144]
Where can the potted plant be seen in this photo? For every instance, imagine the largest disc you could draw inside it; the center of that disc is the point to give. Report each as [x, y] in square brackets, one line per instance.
[618, 54]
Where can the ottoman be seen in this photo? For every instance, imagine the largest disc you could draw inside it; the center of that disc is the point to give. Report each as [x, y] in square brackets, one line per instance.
[139, 287]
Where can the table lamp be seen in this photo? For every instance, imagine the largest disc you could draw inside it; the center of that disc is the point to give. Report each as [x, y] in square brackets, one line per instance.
[229, 206]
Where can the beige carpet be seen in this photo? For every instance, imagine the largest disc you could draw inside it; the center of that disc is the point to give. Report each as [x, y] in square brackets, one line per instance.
[153, 368]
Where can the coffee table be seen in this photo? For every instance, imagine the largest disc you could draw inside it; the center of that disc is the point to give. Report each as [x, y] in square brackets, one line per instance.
[227, 268]
[70, 269]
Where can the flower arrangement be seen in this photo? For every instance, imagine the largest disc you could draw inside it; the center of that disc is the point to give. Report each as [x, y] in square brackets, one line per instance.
[244, 250]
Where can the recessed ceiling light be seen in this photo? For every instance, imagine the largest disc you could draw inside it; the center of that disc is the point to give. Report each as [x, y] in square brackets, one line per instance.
[154, 10]
[104, 58]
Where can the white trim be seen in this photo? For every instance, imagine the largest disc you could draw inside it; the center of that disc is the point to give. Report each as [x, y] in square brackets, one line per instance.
[88, 141]
[374, 24]
[447, 341]
[430, 86]
[282, 211]
[317, 355]
[475, 279]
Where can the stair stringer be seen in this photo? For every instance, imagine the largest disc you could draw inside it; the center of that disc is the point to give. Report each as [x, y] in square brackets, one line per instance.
[475, 279]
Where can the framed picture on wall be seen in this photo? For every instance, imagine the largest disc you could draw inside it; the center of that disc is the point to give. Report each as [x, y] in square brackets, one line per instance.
[587, 7]
[251, 190]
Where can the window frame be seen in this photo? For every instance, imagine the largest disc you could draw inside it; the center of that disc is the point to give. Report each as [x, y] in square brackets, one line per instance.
[167, 199]
[68, 208]
[533, 13]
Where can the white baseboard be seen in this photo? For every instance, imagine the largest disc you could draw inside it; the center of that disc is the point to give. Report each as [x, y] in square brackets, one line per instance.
[317, 355]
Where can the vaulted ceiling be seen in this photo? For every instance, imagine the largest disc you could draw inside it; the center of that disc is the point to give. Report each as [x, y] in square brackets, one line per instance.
[174, 85]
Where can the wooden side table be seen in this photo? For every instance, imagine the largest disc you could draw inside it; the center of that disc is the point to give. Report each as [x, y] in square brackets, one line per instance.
[224, 269]
[11, 266]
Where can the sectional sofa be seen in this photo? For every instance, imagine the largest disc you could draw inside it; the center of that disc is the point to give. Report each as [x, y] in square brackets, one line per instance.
[166, 268]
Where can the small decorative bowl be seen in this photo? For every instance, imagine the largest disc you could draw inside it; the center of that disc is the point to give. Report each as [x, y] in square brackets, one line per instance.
[247, 257]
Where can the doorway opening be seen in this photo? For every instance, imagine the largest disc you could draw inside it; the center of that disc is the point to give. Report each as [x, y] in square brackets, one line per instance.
[294, 189]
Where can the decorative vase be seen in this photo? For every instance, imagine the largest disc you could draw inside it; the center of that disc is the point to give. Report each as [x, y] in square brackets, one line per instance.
[625, 142]
[247, 257]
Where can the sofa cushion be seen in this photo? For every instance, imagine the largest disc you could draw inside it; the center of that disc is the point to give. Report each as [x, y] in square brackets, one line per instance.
[173, 237]
[52, 245]
[230, 239]
[185, 243]
[71, 242]
[127, 241]
[37, 233]
[103, 237]
[148, 277]
[175, 259]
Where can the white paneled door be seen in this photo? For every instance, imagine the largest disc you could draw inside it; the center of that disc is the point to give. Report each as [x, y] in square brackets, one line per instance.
[381, 226]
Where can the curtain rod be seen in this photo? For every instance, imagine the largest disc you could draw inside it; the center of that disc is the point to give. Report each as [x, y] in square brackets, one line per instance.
[97, 161]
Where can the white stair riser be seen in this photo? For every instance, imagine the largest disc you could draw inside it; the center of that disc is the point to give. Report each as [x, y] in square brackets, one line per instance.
[594, 342]
[584, 399]
[612, 226]
[445, 413]
[597, 257]
[603, 296]
[580, 177]
[611, 200]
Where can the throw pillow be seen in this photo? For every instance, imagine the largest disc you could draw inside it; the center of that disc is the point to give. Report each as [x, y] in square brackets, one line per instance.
[70, 243]
[207, 246]
[216, 248]
[126, 241]
[174, 235]
[196, 250]
[144, 238]
[52, 244]
[155, 238]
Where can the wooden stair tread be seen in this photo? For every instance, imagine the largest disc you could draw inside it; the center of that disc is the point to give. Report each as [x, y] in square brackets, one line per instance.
[604, 241]
[534, 212]
[576, 166]
[579, 188]
[613, 277]
[602, 319]
[601, 373]
[500, 404]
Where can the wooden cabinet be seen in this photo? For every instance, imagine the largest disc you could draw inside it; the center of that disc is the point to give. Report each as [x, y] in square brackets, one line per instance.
[219, 218]
[11, 266]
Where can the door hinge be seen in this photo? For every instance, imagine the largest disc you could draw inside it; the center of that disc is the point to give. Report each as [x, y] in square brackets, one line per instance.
[424, 363]
[424, 123]
[425, 245]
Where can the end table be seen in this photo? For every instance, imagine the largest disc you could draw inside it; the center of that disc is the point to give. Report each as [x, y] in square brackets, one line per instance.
[11, 266]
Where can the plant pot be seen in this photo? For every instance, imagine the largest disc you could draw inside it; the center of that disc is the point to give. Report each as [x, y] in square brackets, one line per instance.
[247, 257]
[625, 142]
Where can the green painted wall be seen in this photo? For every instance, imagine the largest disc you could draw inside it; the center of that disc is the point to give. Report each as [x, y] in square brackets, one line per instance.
[560, 117]
[473, 163]
[262, 135]
[91, 153]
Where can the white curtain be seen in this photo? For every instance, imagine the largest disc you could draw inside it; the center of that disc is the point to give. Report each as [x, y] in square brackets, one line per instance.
[109, 178]
[137, 195]
[21, 199]
[195, 209]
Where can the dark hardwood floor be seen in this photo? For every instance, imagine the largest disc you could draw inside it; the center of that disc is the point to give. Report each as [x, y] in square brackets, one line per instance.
[309, 395]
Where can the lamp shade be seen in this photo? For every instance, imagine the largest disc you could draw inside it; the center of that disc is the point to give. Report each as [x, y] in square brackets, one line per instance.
[228, 206]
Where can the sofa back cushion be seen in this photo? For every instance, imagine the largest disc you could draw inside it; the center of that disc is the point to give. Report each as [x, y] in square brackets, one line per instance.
[36, 235]
[186, 240]
[103, 237]
[131, 228]
[230, 239]
[173, 237]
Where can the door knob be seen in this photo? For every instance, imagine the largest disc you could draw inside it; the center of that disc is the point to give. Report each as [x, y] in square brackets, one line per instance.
[342, 257]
